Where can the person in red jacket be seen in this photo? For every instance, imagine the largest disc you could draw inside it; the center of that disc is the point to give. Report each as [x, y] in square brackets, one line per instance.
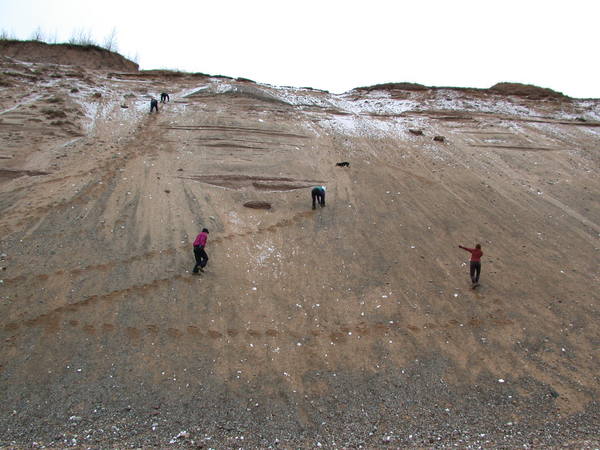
[475, 269]
[199, 252]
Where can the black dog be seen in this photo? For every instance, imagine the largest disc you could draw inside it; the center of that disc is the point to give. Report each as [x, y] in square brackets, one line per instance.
[343, 164]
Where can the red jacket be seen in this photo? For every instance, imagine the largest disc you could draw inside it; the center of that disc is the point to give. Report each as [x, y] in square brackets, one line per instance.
[476, 253]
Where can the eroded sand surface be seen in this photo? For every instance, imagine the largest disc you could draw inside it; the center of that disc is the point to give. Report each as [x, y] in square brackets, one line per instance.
[350, 325]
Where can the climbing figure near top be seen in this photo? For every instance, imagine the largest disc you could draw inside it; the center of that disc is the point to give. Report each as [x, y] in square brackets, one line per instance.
[475, 263]
[153, 105]
[318, 194]
[199, 252]
[164, 96]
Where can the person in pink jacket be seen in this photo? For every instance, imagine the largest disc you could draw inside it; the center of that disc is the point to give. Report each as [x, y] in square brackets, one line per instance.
[199, 252]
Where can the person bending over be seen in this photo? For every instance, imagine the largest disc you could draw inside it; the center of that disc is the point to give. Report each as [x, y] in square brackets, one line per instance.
[318, 194]
[153, 105]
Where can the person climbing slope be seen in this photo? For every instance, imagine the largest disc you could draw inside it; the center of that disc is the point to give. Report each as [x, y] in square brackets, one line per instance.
[318, 194]
[153, 105]
[475, 263]
[164, 97]
[199, 252]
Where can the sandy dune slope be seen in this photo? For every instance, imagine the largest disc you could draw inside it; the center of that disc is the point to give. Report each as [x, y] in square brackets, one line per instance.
[353, 324]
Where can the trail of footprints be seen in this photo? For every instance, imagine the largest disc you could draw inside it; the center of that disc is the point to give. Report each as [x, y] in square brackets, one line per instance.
[140, 289]
[103, 267]
[340, 334]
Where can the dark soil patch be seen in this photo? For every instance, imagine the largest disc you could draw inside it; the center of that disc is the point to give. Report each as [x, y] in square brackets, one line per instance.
[53, 113]
[257, 205]
[9, 174]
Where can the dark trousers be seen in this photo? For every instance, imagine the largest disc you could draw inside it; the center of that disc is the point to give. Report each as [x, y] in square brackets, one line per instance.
[201, 258]
[475, 271]
[153, 105]
[318, 195]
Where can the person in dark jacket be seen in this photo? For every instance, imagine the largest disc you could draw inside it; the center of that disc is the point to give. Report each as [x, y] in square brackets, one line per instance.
[164, 97]
[475, 263]
[153, 105]
[199, 252]
[318, 194]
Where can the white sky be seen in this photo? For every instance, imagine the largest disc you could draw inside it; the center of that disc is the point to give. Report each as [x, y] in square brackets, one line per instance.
[338, 45]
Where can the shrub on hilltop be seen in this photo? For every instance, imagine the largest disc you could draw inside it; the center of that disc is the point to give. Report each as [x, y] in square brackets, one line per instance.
[526, 90]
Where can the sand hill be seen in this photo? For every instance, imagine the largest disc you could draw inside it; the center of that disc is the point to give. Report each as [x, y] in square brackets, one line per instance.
[345, 326]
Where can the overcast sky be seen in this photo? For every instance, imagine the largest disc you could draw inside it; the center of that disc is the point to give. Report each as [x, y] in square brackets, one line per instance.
[338, 45]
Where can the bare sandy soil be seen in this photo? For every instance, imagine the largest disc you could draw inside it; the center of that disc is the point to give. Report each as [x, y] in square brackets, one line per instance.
[350, 325]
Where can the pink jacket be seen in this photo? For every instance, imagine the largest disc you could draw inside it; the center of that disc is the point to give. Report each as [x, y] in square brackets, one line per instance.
[201, 239]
